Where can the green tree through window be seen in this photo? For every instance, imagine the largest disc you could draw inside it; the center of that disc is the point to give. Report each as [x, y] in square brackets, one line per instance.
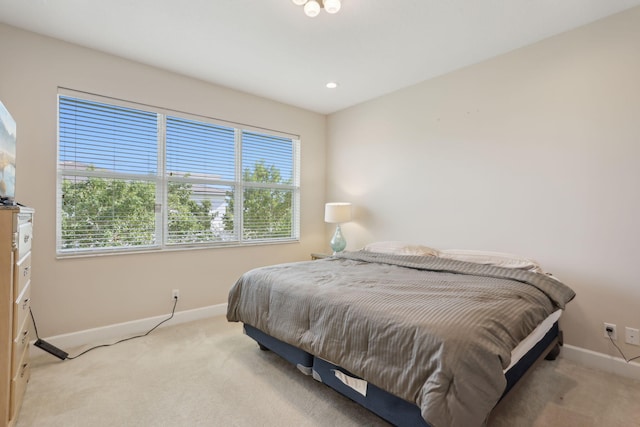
[267, 212]
[100, 212]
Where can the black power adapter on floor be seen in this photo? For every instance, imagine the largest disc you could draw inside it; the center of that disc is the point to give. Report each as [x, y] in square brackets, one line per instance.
[51, 349]
[63, 355]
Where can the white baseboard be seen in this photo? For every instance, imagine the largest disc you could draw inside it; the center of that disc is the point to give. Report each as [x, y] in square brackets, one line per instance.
[600, 361]
[110, 333]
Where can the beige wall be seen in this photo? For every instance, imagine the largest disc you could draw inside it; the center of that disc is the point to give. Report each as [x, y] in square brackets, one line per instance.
[76, 294]
[535, 152]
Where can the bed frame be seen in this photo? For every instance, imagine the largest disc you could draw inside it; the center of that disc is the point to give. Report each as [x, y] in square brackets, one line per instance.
[391, 408]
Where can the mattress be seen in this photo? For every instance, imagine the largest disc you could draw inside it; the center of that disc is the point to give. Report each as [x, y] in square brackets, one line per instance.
[533, 338]
[304, 361]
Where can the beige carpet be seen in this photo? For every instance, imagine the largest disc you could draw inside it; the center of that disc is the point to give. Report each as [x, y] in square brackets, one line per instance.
[207, 373]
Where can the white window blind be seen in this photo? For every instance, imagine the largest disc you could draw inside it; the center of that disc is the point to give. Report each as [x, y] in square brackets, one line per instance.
[143, 178]
[200, 150]
[268, 179]
[108, 158]
[200, 176]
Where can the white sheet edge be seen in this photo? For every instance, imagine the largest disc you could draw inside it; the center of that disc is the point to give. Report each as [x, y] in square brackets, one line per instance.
[356, 384]
[533, 338]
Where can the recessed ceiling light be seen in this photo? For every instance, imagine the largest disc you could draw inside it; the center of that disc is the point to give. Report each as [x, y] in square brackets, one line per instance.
[332, 85]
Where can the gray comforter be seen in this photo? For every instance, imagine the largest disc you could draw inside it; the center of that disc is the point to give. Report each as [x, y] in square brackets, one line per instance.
[432, 331]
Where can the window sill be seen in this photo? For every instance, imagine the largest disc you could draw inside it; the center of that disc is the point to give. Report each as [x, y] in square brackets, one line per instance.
[156, 250]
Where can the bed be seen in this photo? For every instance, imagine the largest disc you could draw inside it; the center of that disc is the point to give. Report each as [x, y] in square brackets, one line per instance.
[418, 338]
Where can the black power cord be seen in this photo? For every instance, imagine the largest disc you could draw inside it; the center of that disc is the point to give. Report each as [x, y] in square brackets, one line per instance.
[62, 355]
[618, 348]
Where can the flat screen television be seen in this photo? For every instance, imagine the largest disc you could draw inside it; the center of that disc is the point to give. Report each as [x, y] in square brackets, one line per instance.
[7, 157]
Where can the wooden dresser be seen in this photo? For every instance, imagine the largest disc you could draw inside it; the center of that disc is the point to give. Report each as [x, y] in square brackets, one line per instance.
[16, 227]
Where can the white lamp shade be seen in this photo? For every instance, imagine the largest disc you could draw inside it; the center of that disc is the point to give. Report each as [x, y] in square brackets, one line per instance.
[312, 8]
[332, 6]
[337, 212]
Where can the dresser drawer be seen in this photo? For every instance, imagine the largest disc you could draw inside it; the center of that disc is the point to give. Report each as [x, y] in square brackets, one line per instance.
[22, 274]
[19, 384]
[21, 309]
[20, 342]
[24, 237]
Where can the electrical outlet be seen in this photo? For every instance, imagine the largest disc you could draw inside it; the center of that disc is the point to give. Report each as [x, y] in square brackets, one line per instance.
[610, 327]
[632, 336]
[175, 294]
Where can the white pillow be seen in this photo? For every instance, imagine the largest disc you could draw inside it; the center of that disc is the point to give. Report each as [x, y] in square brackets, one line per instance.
[492, 258]
[400, 248]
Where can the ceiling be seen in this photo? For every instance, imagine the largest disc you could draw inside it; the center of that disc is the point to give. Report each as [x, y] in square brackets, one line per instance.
[272, 49]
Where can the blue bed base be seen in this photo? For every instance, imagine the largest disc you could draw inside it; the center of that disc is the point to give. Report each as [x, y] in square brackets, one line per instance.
[393, 409]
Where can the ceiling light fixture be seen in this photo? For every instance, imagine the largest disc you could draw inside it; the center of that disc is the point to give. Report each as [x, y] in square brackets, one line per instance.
[331, 85]
[312, 7]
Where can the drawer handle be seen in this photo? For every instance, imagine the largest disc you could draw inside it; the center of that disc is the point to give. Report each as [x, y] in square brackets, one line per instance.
[25, 303]
[26, 238]
[25, 334]
[23, 370]
[26, 271]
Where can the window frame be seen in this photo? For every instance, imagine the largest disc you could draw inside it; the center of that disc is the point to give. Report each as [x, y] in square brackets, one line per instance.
[162, 179]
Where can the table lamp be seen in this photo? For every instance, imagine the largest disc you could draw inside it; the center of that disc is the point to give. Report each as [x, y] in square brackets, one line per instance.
[337, 213]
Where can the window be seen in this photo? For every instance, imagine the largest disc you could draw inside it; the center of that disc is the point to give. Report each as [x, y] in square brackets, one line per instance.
[134, 177]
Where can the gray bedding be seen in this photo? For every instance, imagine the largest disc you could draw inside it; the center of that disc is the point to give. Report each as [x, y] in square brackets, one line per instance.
[432, 331]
